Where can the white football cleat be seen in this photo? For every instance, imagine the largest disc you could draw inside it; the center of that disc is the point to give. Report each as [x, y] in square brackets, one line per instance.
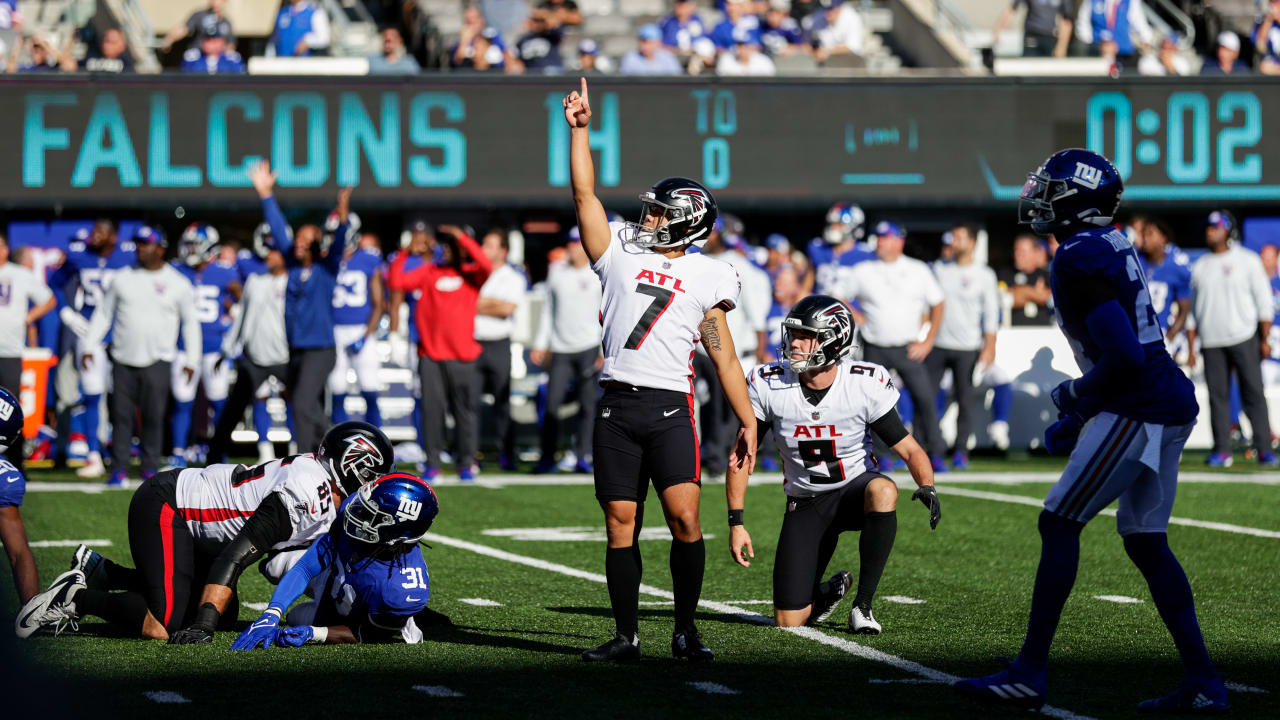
[91, 565]
[54, 607]
[999, 432]
[266, 452]
[862, 623]
[93, 467]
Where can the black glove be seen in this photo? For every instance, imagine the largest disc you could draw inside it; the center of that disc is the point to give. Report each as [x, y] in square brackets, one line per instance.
[199, 632]
[927, 495]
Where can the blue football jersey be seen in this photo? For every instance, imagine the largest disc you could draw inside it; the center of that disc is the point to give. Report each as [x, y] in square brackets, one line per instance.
[773, 323]
[359, 586]
[1168, 282]
[249, 264]
[213, 298]
[1274, 337]
[352, 304]
[828, 266]
[85, 276]
[13, 486]
[1091, 268]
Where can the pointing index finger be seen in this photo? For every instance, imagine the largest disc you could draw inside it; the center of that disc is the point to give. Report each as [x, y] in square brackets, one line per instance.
[584, 87]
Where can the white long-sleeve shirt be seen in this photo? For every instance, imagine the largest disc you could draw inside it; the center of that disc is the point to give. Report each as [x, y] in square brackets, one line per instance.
[19, 288]
[145, 309]
[973, 305]
[259, 326]
[571, 312]
[1230, 295]
[894, 297]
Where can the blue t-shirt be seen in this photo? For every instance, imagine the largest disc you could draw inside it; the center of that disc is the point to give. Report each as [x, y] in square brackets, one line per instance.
[13, 486]
[776, 39]
[228, 63]
[1168, 282]
[360, 586]
[726, 34]
[213, 299]
[1091, 268]
[681, 35]
[352, 303]
[84, 277]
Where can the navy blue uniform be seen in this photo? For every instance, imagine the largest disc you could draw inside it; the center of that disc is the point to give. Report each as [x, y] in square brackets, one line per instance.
[1169, 282]
[1098, 265]
[13, 485]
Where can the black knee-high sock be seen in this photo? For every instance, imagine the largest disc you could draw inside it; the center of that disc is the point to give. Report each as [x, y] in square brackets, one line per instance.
[688, 563]
[878, 532]
[126, 609]
[120, 577]
[622, 569]
[826, 548]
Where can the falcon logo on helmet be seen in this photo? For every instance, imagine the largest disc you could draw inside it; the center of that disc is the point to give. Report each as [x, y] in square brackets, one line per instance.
[830, 323]
[675, 212]
[361, 456]
[355, 452]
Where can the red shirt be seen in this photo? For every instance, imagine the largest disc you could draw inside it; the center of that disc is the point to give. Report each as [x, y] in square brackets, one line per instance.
[446, 315]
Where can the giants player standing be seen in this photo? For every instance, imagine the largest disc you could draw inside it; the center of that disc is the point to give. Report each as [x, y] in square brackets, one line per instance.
[822, 408]
[658, 301]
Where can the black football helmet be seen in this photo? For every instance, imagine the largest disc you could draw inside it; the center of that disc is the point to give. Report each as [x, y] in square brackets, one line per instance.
[829, 320]
[355, 452]
[687, 207]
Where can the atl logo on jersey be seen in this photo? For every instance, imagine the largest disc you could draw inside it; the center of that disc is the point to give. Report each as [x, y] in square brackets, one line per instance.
[661, 279]
[816, 431]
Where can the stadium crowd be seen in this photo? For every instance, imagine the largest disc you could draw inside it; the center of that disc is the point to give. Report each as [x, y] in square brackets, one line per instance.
[181, 338]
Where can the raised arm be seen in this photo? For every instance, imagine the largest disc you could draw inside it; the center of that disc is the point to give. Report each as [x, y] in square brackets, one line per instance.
[593, 222]
[401, 281]
[264, 182]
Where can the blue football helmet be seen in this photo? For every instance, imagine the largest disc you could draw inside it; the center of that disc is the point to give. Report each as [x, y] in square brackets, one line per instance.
[199, 244]
[845, 221]
[1075, 188]
[11, 419]
[395, 509]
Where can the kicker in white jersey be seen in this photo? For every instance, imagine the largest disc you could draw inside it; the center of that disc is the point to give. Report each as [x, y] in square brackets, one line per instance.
[216, 501]
[652, 308]
[823, 446]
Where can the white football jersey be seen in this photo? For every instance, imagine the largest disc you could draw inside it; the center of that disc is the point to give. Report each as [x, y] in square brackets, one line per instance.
[652, 309]
[827, 445]
[217, 500]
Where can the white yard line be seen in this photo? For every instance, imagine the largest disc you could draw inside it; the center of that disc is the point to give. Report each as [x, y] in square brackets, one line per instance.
[438, 691]
[1034, 502]
[480, 602]
[69, 543]
[711, 688]
[1122, 599]
[165, 697]
[1238, 687]
[847, 646]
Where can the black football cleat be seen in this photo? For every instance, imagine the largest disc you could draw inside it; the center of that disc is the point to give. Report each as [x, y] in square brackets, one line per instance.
[830, 593]
[619, 649]
[687, 644]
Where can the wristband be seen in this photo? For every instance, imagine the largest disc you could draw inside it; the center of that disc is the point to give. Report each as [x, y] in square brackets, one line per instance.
[208, 616]
[735, 518]
[318, 635]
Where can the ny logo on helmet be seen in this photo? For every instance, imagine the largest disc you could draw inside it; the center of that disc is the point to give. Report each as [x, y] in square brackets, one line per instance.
[6, 410]
[360, 457]
[408, 510]
[697, 202]
[1088, 176]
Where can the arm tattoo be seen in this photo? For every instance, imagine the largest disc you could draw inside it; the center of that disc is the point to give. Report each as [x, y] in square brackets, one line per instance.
[711, 334]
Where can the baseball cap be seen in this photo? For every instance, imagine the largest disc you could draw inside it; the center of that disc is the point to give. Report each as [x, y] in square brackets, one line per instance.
[1229, 40]
[417, 226]
[649, 32]
[1218, 218]
[490, 33]
[777, 241]
[588, 47]
[884, 227]
[150, 236]
[743, 36]
[216, 30]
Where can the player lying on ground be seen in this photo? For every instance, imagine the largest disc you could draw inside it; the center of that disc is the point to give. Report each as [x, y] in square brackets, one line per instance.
[192, 532]
[1124, 422]
[367, 573]
[658, 301]
[821, 406]
[13, 486]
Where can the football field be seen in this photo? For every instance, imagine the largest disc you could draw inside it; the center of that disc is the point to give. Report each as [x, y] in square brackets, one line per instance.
[516, 562]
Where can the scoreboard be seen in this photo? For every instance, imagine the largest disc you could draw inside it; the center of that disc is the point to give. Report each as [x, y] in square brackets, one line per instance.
[469, 140]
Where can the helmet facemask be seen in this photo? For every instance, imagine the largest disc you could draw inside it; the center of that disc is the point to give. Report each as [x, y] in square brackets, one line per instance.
[1036, 205]
[363, 520]
[659, 219]
[816, 359]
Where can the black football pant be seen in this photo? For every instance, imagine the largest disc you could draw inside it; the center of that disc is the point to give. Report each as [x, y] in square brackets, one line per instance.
[11, 380]
[1245, 360]
[309, 368]
[494, 367]
[961, 364]
[249, 377]
[451, 384]
[138, 393]
[924, 393]
[578, 368]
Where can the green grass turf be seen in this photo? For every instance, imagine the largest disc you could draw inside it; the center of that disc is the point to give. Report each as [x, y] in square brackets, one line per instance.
[975, 573]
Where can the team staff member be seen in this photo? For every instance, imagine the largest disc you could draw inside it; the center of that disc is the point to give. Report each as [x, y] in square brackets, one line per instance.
[820, 406]
[24, 299]
[144, 311]
[308, 307]
[568, 345]
[895, 292]
[967, 337]
[1231, 303]
[447, 347]
[259, 333]
[658, 301]
[500, 297]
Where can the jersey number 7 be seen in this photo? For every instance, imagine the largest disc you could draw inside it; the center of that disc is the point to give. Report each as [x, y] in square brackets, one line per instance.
[661, 301]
